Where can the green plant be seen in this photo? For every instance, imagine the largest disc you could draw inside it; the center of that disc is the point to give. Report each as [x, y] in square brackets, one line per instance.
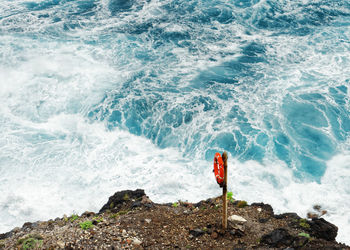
[112, 216]
[126, 197]
[242, 204]
[86, 225]
[175, 204]
[304, 235]
[111, 205]
[230, 196]
[303, 223]
[98, 219]
[74, 217]
[2, 244]
[31, 241]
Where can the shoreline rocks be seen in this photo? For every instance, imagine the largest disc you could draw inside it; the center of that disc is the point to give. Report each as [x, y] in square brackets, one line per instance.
[131, 220]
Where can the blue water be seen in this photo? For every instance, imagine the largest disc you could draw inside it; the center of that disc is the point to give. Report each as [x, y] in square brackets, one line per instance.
[99, 96]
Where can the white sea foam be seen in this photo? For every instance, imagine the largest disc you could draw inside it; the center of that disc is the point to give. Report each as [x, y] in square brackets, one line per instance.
[55, 161]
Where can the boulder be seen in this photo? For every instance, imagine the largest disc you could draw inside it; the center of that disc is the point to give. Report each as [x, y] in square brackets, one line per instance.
[277, 238]
[323, 229]
[119, 198]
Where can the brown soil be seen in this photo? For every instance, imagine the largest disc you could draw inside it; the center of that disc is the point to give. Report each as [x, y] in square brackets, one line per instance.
[134, 222]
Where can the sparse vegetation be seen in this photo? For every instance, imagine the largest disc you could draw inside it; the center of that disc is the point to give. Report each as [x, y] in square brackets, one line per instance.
[242, 204]
[31, 241]
[97, 219]
[126, 197]
[74, 217]
[111, 205]
[175, 204]
[86, 225]
[230, 196]
[304, 235]
[303, 223]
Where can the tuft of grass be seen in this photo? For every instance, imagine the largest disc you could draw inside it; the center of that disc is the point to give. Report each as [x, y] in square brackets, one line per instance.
[97, 219]
[304, 235]
[2, 244]
[74, 217]
[31, 241]
[303, 223]
[230, 196]
[175, 204]
[126, 197]
[111, 205]
[242, 204]
[112, 216]
[86, 225]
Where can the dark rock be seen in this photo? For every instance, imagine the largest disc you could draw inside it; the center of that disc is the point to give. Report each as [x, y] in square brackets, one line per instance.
[320, 228]
[214, 235]
[277, 238]
[149, 205]
[136, 204]
[119, 198]
[197, 232]
[237, 232]
[264, 206]
[299, 242]
[5, 235]
[287, 215]
[29, 226]
[88, 214]
[263, 220]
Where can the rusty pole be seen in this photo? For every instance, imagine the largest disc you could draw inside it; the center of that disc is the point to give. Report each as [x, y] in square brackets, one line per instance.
[224, 193]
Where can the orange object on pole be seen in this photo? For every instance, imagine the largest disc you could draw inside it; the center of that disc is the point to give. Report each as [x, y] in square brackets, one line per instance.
[219, 169]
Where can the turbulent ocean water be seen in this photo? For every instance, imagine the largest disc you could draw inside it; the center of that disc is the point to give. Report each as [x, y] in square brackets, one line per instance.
[104, 95]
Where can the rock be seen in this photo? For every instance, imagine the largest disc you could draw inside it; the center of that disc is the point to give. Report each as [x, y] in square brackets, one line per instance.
[28, 226]
[299, 242]
[287, 215]
[148, 220]
[237, 232]
[136, 242]
[16, 230]
[60, 244]
[259, 209]
[146, 200]
[88, 214]
[124, 233]
[197, 232]
[263, 220]
[264, 206]
[236, 219]
[116, 200]
[136, 204]
[5, 235]
[321, 228]
[277, 238]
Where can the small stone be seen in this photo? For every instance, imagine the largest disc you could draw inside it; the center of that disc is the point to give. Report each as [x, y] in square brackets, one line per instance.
[148, 220]
[236, 218]
[136, 204]
[196, 232]
[60, 244]
[128, 241]
[259, 209]
[145, 200]
[124, 233]
[214, 235]
[136, 241]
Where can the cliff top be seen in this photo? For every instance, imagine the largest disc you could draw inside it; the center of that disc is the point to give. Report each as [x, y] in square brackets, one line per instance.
[131, 220]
